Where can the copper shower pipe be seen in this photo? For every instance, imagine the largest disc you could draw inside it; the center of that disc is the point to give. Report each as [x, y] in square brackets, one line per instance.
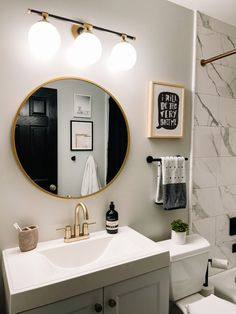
[223, 55]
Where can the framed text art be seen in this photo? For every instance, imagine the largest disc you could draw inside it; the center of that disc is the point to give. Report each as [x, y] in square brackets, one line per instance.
[81, 135]
[82, 106]
[166, 110]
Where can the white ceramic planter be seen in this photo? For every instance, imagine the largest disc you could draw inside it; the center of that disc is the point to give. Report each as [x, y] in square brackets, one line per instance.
[178, 237]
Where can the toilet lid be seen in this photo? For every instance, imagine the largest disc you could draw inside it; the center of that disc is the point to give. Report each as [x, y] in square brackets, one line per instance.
[211, 305]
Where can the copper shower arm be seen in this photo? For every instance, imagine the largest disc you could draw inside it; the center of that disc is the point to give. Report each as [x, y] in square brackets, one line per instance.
[222, 55]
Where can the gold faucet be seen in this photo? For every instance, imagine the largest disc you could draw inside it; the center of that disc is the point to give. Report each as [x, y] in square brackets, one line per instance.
[77, 233]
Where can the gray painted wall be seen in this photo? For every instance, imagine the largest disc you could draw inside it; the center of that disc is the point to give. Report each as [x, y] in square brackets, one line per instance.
[164, 44]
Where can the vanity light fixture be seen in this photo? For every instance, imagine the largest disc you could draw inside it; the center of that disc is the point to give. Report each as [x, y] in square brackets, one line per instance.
[44, 39]
[123, 56]
[86, 49]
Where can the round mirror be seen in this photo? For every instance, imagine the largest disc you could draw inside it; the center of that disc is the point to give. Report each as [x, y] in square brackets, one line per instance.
[70, 137]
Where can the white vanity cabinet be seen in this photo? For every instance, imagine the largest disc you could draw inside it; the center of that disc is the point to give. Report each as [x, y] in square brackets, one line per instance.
[145, 294]
[124, 273]
[82, 304]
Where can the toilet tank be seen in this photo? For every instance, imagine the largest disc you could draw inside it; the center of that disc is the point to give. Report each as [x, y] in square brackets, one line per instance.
[188, 265]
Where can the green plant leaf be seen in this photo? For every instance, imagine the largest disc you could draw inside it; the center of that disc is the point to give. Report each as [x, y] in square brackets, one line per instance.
[179, 226]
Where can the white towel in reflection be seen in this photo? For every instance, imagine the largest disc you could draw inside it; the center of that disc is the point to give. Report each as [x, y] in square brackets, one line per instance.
[90, 182]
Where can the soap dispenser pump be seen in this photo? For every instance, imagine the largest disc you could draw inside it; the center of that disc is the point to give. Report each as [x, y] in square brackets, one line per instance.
[112, 221]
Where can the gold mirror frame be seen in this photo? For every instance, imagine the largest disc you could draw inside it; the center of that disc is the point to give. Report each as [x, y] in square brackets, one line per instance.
[14, 126]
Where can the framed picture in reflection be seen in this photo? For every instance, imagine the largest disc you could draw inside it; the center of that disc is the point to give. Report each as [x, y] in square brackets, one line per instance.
[81, 135]
[82, 106]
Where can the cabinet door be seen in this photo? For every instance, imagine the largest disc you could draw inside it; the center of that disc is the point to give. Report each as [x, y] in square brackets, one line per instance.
[83, 304]
[146, 294]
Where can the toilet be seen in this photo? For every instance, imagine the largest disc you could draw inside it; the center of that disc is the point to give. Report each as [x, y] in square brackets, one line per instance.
[187, 275]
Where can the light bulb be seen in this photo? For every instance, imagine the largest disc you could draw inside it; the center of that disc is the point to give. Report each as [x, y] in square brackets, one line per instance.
[86, 50]
[44, 40]
[123, 57]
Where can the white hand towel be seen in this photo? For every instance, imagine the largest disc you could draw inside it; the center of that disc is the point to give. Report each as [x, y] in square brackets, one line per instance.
[90, 182]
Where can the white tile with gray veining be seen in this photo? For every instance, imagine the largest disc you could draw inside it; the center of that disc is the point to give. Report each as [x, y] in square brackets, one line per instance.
[228, 196]
[228, 44]
[206, 141]
[206, 110]
[205, 83]
[198, 213]
[205, 172]
[228, 142]
[215, 79]
[215, 25]
[214, 139]
[210, 43]
[225, 80]
[209, 201]
[227, 171]
[227, 112]
[205, 227]
[203, 20]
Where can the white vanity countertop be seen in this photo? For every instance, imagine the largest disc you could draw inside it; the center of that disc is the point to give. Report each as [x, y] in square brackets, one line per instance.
[89, 264]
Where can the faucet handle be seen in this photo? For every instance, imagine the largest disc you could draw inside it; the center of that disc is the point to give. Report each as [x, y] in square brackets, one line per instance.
[68, 231]
[85, 227]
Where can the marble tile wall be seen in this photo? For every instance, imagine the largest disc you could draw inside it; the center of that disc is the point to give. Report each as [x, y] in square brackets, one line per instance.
[214, 147]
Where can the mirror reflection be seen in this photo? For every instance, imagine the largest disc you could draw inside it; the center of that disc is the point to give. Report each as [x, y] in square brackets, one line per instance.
[70, 137]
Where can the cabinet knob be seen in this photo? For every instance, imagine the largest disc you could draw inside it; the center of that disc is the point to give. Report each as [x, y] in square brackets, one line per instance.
[112, 302]
[98, 307]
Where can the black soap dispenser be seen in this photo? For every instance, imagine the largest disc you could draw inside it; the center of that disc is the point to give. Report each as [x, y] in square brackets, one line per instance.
[112, 221]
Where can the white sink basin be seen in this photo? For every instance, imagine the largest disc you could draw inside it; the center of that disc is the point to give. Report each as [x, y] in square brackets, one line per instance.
[99, 249]
[78, 253]
[55, 261]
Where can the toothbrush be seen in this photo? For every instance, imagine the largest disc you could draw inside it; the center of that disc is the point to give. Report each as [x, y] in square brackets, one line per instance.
[17, 226]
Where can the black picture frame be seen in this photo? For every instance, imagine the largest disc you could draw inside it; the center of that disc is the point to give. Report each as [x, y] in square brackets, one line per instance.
[81, 135]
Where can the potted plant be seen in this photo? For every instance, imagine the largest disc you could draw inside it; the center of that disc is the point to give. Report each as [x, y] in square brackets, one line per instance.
[178, 231]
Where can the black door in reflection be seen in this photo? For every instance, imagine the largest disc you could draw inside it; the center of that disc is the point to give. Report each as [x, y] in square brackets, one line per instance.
[36, 138]
[117, 140]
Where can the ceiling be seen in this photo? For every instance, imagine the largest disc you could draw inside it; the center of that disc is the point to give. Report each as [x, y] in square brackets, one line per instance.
[224, 10]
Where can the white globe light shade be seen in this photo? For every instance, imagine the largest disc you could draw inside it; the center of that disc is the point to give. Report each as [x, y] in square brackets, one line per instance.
[123, 57]
[86, 50]
[44, 40]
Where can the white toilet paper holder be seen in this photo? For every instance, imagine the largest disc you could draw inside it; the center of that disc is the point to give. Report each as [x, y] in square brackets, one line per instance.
[217, 263]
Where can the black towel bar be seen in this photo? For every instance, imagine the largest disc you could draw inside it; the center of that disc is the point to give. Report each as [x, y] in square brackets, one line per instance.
[150, 159]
